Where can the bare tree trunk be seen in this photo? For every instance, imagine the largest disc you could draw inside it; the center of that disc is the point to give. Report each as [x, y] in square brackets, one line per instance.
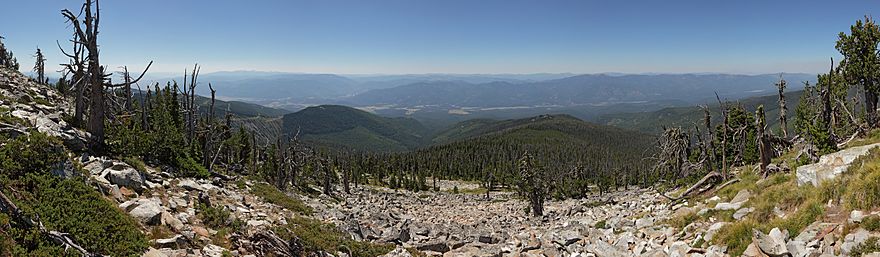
[763, 140]
[782, 109]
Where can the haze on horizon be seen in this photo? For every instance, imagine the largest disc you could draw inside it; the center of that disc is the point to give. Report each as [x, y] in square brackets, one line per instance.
[459, 36]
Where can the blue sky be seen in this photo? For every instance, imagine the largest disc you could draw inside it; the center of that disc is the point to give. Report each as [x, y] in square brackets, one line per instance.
[452, 36]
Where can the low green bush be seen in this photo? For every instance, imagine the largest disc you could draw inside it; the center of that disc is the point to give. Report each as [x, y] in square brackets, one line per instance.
[275, 196]
[64, 205]
[319, 236]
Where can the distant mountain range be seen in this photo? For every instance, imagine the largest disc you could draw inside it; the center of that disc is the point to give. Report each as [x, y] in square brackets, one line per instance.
[572, 91]
[440, 100]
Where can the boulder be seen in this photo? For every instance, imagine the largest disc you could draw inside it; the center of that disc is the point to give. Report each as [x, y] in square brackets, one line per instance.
[125, 176]
[148, 211]
[173, 222]
[190, 185]
[741, 196]
[830, 165]
[853, 239]
[773, 244]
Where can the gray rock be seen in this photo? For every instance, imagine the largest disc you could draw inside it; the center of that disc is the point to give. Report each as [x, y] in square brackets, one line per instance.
[772, 244]
[190, 185]
[123, 175]
[175, 242]
[398, 252]
[710, 232]
[644, 222]
[488, 239]
[797, 248]
[830, 165]
[853, 239]
[148, 211]
[856, 216]
[436, 246]
[742, 212]
[173, 222]
[212, 250]
[728, 206]
[679, 249]
[741, 196]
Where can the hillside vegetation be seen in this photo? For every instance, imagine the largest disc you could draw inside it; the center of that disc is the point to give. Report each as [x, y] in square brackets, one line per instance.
[571, 154]
[348, 128]
[653, 122]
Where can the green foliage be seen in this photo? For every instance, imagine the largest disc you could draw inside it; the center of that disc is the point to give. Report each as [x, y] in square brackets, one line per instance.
[73, 207]
[601, 224]
[135, 163]
[319, 236]
[737, 236]
[275, 196]
[868, 246]
[218, 218]
[859, 49]
[871, 223]
[682, 220]
[349, 128]
[574, 154]
[34, 153]
[68, 206]
[857, 188]
[161, 139]
[7, 60]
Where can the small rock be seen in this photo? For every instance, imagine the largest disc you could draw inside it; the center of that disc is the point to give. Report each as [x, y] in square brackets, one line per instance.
[856, 216]
[742, 212]
[212, 250]
[436, 246]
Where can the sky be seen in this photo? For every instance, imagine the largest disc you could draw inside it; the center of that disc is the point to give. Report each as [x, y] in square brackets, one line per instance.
[450, 36]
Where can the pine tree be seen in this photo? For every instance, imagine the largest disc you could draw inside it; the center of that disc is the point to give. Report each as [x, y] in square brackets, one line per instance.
[861, 64]
[6, 57]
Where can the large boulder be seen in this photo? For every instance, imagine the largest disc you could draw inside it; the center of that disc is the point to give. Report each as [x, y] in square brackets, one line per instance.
[773, 244]
[125, 176]
[831, 165]
[148, 211]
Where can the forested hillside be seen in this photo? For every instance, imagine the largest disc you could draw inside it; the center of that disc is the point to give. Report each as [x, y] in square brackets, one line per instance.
[572, 155]
[343, 127]
[654, 122]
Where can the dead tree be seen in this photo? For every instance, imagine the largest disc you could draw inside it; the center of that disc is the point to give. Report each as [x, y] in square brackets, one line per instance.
[86, 36]
[76, 67]
[40, 67]
[783, 111]
[725, 126]
[87, 31]
[764, 146]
